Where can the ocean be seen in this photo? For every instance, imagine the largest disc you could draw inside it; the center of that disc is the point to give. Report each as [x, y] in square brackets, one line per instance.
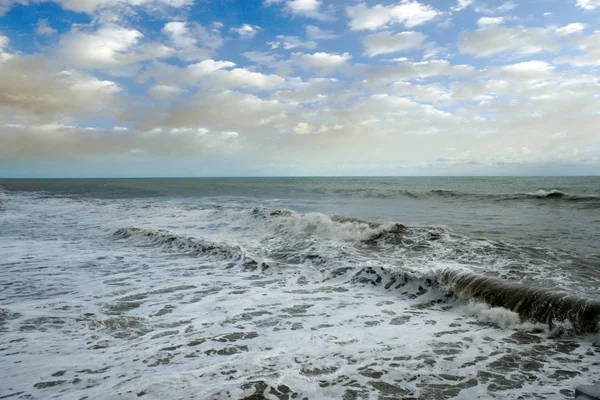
[293, 288]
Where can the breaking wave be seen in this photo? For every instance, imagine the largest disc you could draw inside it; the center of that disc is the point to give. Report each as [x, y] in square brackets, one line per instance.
[531, 304]
[534, 304]
[339, 227]
[544, 305]
[191, 245]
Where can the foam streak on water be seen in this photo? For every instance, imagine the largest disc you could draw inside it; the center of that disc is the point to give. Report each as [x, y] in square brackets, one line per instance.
[163, 298]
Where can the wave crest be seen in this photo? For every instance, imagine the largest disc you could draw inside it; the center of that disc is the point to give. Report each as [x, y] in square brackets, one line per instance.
[531, 304]
[289, 222]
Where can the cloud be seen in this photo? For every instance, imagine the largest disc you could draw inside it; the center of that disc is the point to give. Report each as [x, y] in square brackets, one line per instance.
[211, 74]
[246, 31]
[261, 57]
[291, 42]
[590, 47]
[33, 88]
[570, 29]
[321, 61]
[63, 140]
[304, 8]
[316, 33]
[167, 75]
[588, 4]
[43, 28]
[462, 4]
[385, 42]
[501, 9]
[163, 92]
[108, 46]
[3, 42]
[92, 6]
[493, 39]
[535, 99]
[408, 12]
[307, 8]
[312, 91]
[303, 128]
[192, 40]
[207, 67]
[6, 5]
[531, 71]
[428, 93]
[414, 70]
[487, 21]
[241, 78]
[223, 110]
[112, 48]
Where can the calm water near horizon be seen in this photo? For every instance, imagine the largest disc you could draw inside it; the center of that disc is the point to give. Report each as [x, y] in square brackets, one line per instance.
[353, 287]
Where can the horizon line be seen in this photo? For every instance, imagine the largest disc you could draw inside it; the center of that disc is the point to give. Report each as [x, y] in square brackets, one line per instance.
[301, 176]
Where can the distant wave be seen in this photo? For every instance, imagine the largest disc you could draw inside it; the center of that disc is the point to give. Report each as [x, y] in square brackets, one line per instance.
[541, 194]
[592, 200]
[552, 194]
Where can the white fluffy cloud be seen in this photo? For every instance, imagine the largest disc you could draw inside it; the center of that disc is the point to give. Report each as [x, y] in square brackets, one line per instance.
[588, 4]
[90, 6]
[487, 21]
[385, 42]
[501, 9]
[570, 29]
[246, 31]
[304, 8]
[114, 49]
[110, 45]
[321, 60]
[462, 4]
[241, 78]
[589, 46]
[494, 39]
[531, 71]
[209, 74]
[114, 7]
[192, 40]
[408, 12]
[535, 98]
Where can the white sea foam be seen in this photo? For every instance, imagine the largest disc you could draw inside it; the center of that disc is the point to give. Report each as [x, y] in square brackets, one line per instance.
[86, 314]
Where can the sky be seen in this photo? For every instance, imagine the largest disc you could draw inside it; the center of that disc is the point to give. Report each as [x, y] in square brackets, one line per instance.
[123, 88]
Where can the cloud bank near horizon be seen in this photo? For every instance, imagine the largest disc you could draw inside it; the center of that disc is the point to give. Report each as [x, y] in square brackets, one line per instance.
[300, 87]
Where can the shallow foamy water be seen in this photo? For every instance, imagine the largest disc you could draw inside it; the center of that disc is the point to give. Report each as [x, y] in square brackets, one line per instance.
[221, 299]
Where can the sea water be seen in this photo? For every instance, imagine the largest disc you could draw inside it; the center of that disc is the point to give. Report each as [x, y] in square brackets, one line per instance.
[318, 288]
